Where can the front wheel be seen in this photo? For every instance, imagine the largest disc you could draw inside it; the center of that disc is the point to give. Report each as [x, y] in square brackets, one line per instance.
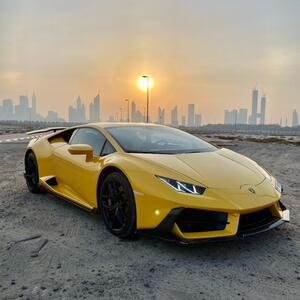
[118, 205]
[31, 173]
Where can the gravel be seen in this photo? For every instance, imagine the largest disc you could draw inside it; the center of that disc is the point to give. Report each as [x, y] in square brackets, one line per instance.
[50, 249]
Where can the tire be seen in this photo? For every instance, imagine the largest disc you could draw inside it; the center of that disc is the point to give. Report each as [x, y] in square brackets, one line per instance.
[32, 173]
[117, 205]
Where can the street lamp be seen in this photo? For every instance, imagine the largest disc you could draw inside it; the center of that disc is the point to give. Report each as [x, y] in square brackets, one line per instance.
[147, 86]
[127, 100]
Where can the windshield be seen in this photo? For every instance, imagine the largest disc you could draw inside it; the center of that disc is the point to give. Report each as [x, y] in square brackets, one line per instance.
[156, 139]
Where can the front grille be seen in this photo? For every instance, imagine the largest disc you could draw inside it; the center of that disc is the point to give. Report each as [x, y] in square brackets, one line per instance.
[194, 220]
[255, 220]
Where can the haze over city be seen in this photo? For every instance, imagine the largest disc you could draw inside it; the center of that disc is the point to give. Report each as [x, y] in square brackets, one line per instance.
[209, 53]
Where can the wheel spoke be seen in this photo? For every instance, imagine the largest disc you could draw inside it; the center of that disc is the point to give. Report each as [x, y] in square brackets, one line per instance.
[110, 207]
[119, 216]
[111, 190]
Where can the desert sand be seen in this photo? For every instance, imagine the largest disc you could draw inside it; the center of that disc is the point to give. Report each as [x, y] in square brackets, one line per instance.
[70, 254]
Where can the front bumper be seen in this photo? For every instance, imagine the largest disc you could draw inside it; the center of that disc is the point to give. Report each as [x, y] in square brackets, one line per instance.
[214, 226]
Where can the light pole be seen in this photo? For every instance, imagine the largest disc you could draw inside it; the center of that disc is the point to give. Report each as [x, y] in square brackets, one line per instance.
[147, 78]
[128, 119]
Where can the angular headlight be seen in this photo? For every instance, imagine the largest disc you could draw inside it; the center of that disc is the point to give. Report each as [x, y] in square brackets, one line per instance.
[183, 187]
[278, 186]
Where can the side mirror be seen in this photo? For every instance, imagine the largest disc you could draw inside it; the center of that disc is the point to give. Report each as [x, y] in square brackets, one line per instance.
[81, 149]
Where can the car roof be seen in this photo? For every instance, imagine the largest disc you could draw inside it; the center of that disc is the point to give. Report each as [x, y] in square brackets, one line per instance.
[123, 124]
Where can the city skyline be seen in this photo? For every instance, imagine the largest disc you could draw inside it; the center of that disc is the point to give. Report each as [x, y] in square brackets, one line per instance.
[78, 113]
[196, 52]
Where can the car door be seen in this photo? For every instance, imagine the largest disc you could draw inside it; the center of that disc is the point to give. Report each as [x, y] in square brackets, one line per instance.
[79, 174]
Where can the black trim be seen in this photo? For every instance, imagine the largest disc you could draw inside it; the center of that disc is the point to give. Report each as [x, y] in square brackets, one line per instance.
[265, 227]
[101, 153]
[52, 181]
[164, 229]
[198, 220]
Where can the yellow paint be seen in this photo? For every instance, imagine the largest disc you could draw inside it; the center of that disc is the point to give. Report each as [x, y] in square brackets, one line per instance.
[226, 175]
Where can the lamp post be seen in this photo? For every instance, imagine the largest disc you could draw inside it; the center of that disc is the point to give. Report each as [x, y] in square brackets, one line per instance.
[128, 119]
[147, 109]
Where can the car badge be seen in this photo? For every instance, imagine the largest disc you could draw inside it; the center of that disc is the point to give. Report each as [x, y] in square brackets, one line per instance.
[251, 190]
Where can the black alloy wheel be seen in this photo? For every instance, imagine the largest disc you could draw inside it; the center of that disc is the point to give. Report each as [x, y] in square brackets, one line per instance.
[118, 205]
[32, 173]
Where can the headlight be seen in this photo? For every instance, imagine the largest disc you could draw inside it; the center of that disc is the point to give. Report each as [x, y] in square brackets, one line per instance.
[183, 187]
[278, 186]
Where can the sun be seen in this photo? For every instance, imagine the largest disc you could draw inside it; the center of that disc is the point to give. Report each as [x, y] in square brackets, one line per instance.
[145, 81]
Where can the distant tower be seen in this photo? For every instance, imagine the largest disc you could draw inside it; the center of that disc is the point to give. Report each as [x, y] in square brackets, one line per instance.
[78, 101]
[183, 121]
[33, 105]
[230, 116]
[242, 116]
[160, 116]
[191, 115]
[94, 109]
[91, 110]
[253, 118]
[295, 119]
[22, 111]
[97, 108]
[174, 117]
[7, 109]
[198, 120]
[133, 112]
[263, 110]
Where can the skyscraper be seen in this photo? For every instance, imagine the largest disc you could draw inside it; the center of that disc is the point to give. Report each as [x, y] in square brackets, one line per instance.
[80, 111]
[97, 114]
[136, 115]
[133, 111]
[191, 115]
[174, 117]
[253, 117]
[72, 114]
[263, 110]
[77, 114]
[161, 116]
[295, 119]
[22, 111]
[33, 105]
[7, 109]
[242, 116]
[183, 121]
[230, 116]
[198, 120]
[94, 109]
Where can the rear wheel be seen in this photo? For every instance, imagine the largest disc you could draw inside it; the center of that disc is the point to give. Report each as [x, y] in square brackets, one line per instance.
[118, 206]
[32, 173]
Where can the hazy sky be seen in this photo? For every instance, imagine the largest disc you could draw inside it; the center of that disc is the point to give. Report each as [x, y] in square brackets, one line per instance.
[211, 53]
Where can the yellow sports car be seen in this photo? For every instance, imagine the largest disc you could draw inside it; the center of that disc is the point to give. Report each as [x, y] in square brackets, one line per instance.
[155, 179]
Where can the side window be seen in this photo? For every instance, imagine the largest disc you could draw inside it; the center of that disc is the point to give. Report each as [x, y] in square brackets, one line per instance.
[108, 149]
[90, 137]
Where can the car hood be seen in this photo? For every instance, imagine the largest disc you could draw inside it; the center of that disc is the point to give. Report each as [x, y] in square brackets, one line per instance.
[222, 168]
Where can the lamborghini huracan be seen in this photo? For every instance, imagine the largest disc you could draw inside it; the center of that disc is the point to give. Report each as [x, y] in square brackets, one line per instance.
[157, 180]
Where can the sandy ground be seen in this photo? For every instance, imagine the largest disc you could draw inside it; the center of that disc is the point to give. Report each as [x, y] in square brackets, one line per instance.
[79, 259]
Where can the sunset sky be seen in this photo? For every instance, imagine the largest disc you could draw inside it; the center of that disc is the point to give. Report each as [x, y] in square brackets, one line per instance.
[211, 53]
